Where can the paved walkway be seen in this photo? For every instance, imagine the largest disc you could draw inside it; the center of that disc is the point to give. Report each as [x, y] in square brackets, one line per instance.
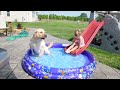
[16, 49]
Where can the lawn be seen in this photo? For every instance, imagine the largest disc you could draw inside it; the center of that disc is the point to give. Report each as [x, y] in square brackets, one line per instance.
[62, 29]
[65, 29]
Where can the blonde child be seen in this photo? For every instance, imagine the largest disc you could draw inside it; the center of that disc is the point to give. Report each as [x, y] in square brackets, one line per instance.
[78, 42]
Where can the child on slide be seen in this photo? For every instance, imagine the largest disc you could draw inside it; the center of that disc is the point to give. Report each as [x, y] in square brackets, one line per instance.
[78, 42]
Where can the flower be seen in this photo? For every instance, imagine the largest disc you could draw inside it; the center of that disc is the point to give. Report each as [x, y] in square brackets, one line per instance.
[46, 77]
[62, 72]
[81, 70]
[32, 64]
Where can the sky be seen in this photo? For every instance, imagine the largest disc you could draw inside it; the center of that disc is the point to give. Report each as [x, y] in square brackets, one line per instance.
[66, 13]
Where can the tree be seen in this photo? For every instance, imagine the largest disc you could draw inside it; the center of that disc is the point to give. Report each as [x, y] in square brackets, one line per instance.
[55, 16]
[51, 16]
[75, 19]
[62, 17]
[67, 18]
[84, 19]
[99, 18]
[83, 15]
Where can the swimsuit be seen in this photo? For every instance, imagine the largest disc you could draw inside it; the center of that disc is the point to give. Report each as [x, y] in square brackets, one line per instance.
[79, 41]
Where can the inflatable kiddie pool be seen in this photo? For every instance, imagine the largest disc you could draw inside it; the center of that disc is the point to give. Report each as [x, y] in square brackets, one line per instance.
[59, 65]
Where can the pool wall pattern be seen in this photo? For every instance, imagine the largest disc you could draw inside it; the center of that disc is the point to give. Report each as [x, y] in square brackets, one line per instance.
[45, 72]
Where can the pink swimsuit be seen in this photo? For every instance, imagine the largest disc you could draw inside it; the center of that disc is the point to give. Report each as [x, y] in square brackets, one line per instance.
[79, 41]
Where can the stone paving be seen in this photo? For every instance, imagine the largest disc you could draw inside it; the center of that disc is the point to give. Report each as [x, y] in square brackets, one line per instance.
[17, 48]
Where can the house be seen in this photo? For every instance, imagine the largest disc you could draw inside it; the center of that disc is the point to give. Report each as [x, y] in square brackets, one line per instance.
[2, 22]
[19, 16]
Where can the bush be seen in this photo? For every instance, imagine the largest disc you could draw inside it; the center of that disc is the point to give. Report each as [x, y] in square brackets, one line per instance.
[99, 18]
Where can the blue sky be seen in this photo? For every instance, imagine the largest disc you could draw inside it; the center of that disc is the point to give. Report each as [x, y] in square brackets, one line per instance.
[66, 13]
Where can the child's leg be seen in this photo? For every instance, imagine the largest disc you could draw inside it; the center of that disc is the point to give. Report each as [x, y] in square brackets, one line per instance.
[67, 51]
[50, 45]
[71, 46]
[73, 49]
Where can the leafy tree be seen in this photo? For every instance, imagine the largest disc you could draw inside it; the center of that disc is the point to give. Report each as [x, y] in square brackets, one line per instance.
[83, 15]
[99, 18]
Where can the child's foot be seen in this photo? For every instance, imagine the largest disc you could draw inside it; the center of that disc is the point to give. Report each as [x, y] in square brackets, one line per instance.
[67, 51]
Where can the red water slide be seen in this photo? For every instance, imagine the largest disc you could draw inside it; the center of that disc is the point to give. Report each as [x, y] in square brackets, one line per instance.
[88, 35]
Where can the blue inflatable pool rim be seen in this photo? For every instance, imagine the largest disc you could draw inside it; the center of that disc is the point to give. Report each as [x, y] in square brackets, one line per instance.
[45, 72]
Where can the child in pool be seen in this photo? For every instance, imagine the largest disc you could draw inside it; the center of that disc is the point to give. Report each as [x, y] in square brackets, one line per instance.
[78, 42]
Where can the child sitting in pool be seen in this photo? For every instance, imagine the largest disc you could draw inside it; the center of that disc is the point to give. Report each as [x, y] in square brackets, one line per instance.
[78, 42]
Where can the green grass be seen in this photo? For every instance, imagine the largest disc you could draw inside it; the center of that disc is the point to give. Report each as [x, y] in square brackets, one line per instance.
[65, 29]
[58, 28]
[105, 57]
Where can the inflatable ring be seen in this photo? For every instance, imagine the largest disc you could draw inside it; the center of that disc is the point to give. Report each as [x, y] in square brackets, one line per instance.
[39, 71]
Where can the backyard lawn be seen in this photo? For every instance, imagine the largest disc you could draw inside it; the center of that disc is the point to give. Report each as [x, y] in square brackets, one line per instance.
[65, 29]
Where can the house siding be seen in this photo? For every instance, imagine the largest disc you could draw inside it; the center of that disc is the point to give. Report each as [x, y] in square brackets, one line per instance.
[19, 16]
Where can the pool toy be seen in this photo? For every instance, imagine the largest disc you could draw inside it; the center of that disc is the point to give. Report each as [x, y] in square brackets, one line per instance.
[88, 35]
[60, 65]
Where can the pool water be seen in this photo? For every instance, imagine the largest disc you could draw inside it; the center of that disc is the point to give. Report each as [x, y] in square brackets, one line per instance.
[59, 59]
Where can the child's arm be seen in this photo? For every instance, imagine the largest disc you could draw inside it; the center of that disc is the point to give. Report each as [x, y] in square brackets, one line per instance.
[73, 40]
[82, 43]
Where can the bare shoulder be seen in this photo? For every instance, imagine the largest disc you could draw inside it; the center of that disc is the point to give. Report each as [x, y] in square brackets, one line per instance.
[81, 37]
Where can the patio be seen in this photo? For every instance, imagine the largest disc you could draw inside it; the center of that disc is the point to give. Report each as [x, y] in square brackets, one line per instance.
[17, 48]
